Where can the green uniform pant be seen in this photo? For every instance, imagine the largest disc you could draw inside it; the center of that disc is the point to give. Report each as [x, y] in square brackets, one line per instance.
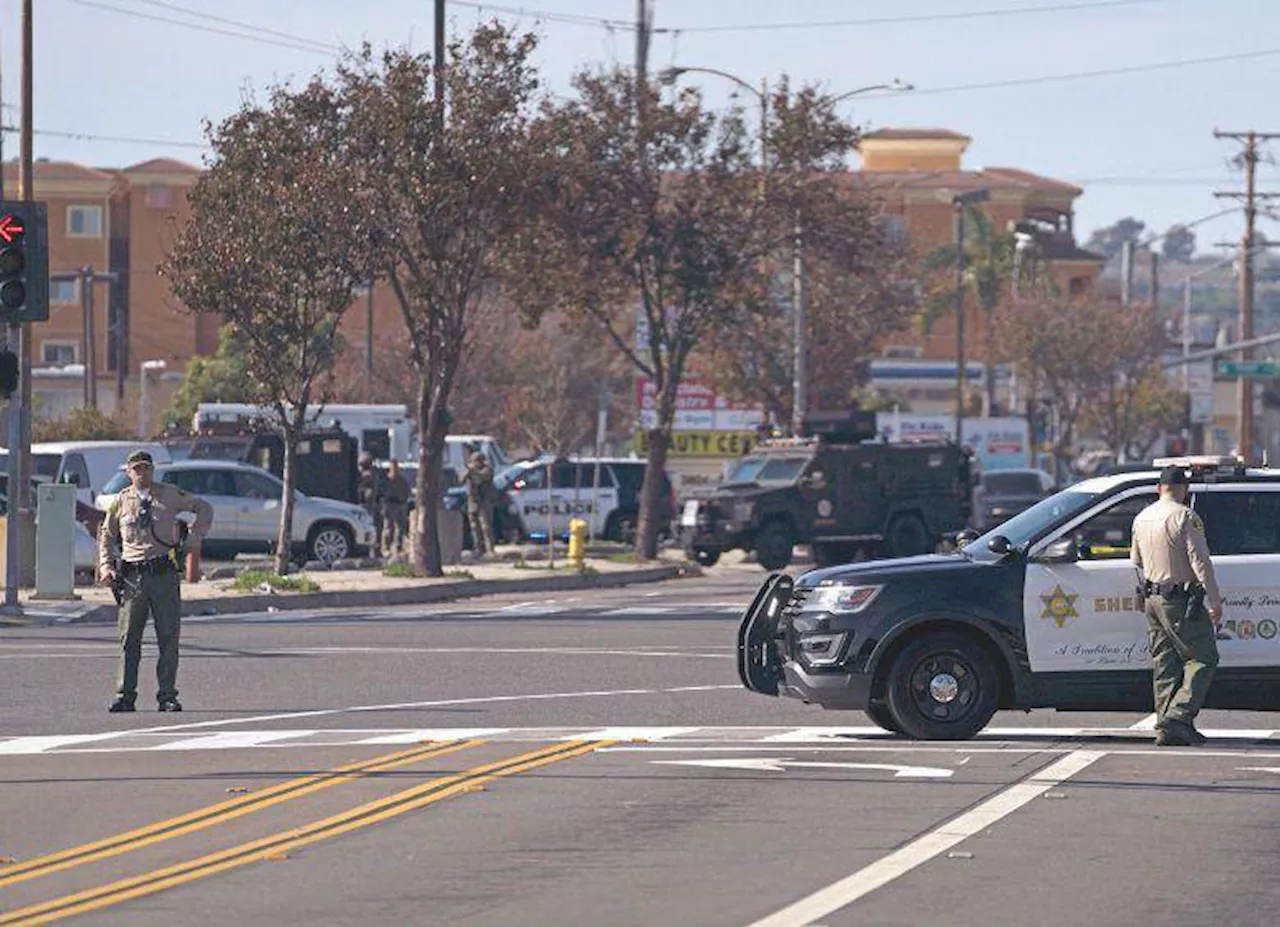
[1181, 682]
[157, 595]
[481, 516]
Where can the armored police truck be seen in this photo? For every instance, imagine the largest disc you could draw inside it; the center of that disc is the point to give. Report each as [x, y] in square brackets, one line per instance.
[840, 489]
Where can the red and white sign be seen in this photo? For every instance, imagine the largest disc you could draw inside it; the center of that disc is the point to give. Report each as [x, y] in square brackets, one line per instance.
[698, 408]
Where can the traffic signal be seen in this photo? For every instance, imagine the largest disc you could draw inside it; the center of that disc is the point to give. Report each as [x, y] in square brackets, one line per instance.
[9, 373]
[24, 263]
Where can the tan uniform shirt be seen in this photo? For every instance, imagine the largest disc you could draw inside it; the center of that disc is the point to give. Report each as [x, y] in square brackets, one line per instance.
[124, 524]
[1169, 547]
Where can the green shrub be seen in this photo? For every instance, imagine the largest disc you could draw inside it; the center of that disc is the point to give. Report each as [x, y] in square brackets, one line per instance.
[252, 580]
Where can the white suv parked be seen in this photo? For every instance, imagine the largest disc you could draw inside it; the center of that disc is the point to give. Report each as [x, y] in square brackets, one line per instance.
[246, 511]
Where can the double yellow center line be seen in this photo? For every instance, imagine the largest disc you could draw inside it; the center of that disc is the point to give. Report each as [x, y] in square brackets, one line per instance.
[219, 813]
[281, 843]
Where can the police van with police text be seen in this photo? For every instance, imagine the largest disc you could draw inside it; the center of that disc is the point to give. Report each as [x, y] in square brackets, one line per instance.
[1040, 612]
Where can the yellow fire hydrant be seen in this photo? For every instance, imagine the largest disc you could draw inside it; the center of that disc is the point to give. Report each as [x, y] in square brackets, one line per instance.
[577, 541]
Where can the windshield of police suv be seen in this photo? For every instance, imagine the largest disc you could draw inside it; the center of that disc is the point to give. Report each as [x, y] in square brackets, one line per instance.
[1031, 524]
[767, 470]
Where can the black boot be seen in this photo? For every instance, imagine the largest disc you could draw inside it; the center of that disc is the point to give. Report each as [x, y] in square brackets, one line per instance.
[170, 704]
[120, 704]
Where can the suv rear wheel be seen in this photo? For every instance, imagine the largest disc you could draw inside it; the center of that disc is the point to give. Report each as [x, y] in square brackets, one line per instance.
[881, 716]
[773, 546]
[942, 686]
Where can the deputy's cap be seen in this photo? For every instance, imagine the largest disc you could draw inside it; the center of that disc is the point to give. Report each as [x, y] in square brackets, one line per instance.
[139, 456]
[1174, 476]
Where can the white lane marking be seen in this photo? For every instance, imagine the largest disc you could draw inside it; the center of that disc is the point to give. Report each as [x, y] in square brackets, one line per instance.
[921, 850]
[567, 651]
[415, 736]
[783, 763]
[21, 746]
[1270, 769]
[229, 740]
[438, 703]
[633, 733]
[1146, 724]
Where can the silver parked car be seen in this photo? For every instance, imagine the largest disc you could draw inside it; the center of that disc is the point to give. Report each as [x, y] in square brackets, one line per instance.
[1003, 494]
[246, 511]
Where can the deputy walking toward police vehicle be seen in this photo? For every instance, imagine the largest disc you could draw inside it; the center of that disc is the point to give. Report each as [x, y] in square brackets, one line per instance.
[1176, 579]
[142, 523]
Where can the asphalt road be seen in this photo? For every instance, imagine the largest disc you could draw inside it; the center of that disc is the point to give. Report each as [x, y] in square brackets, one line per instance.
[588, 758]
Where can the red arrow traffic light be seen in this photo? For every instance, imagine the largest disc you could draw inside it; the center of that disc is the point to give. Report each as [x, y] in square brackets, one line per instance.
[11, 228]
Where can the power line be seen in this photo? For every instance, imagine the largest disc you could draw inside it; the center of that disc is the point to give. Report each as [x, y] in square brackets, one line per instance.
[1084, 75]
[237, 23]
[119, 139]
[572, 19]
[303, 45]
[928, 17]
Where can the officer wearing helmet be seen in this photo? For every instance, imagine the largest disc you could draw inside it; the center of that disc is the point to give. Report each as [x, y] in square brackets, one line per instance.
[141, 525]
[1176, 580]
[371, 490]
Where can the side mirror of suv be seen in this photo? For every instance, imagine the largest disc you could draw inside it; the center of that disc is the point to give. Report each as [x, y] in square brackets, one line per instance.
[1063, 550]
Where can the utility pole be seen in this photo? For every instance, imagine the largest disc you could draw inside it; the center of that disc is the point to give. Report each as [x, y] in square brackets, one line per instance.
[644, 27]
[20, 511]
[1155, 279]
[1248, 159]
[439, 56]
[90, 339]
[960, 202]
[368, 338]
[1126, 273]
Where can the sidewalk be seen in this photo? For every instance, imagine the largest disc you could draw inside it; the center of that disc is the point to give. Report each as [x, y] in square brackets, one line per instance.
[512, 570]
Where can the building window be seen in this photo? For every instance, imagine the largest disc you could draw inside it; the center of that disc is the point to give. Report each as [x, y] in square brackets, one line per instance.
[58, 353]
[84, 221]
[64, 291]
[1078, 285]
[902, 350]
[159, 196]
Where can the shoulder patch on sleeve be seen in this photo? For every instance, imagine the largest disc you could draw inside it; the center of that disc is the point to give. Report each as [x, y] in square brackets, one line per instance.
[1197, 522]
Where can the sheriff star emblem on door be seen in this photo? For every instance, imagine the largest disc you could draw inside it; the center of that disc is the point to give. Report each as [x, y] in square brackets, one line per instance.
[1059, 606]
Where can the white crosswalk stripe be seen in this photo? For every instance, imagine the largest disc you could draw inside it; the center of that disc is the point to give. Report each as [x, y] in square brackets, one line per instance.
[129, 741]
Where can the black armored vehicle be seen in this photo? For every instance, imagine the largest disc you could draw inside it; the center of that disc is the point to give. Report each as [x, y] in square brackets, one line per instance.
[841, 489]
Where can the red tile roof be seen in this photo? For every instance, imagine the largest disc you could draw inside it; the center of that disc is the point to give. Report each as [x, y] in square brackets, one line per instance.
[58, 170]
[161, 166]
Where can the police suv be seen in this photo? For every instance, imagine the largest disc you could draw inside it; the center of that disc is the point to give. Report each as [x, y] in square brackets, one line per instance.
[1040, 612]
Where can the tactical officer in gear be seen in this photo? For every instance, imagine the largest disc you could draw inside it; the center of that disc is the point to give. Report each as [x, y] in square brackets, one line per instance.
[371, 489]
[141, 522]
[1176, 579]
[480, 493]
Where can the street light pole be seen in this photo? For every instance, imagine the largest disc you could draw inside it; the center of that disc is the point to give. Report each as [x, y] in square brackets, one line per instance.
[799, 283]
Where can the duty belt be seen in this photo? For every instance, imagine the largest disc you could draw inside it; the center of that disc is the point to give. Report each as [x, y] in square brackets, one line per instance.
[1165, 590]
[154, 565]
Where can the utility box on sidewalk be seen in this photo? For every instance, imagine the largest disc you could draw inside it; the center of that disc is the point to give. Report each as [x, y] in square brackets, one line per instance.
[27, 525]
[449, 533]
[55, 541]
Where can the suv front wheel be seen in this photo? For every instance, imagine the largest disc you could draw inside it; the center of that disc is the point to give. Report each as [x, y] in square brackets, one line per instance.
[329, 542]
[942, 686]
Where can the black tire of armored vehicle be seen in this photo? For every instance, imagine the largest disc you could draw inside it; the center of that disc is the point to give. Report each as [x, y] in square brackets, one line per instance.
[773, 546]
[908, 537]
[942, 686]
[706, 557]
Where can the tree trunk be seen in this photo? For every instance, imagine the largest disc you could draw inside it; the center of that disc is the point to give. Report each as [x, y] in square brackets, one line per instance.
[284, 536]
[651, 492]
[432, 428]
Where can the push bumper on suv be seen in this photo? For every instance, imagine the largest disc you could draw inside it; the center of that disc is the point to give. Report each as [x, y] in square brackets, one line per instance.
[766, 663]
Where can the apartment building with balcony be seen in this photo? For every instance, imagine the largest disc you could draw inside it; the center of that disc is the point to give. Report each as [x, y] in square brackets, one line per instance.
[917, 173]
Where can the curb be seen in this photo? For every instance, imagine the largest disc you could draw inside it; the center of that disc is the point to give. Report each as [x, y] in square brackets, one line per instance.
[401, 595]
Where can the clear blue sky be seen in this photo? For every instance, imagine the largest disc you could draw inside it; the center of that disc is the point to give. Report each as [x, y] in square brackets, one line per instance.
[1139, 143]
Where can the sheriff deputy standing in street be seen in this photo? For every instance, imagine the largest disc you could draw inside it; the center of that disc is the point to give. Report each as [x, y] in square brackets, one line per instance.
[142, 523]
[1176, 578]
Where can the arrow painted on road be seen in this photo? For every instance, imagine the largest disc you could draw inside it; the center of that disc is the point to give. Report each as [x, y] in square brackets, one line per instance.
[782, 763]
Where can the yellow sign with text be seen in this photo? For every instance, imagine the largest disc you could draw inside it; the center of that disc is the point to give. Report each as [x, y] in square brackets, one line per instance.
[702, 443]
